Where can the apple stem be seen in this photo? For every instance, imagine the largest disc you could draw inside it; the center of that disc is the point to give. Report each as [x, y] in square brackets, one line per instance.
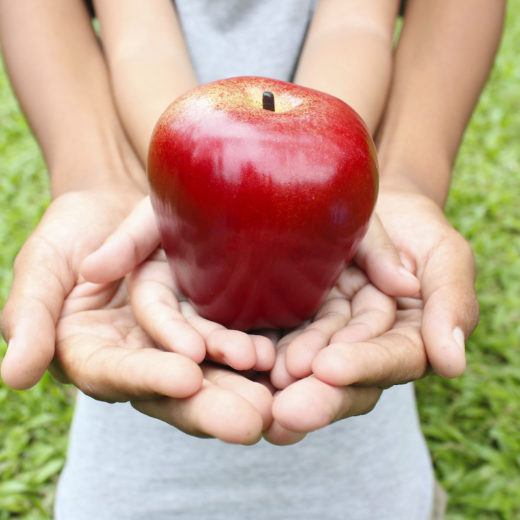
[268, 101]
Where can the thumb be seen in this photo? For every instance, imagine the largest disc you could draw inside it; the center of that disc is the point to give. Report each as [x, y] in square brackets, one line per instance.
[380, 260]
[450, 305]
[135, 240]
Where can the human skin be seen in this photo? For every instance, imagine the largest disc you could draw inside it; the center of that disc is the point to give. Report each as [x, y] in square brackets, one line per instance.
[127, 53]
[400, 354]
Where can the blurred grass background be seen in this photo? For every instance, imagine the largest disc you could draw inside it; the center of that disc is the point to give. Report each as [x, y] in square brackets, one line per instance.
[472, 424]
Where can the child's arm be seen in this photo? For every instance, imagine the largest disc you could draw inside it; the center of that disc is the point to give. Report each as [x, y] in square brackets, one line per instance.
[148, 62]
[348, 53]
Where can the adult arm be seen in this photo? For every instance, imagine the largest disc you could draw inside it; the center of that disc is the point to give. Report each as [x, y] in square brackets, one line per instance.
[96, 180]
[443, 58]
[59, 78]
[60, 81]
[445, 53]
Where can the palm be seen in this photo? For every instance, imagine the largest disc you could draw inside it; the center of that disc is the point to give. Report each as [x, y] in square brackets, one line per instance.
[354, 311]
[97, 339]
[105, 353]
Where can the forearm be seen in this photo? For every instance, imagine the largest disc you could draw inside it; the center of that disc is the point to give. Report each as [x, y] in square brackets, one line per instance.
[60, 79]
[443, 58]
[148, 61]
[348, 53]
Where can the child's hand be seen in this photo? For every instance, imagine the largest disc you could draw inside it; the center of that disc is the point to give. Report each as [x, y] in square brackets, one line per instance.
[159, 307]
[357, 309]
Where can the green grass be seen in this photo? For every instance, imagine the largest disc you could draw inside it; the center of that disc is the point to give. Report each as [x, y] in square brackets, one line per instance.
[471, 423]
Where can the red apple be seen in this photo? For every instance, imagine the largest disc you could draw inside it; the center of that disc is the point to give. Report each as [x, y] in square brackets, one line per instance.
[260, 210]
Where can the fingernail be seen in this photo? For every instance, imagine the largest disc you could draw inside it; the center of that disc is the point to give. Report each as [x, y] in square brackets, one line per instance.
[404, 272]
[458, 336]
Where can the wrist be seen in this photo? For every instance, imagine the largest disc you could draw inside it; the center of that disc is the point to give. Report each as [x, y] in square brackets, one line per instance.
[99, 161]
[430, 179]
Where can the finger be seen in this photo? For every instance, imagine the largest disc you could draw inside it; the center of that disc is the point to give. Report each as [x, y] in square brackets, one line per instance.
[373, 313]
[255, 393]
[211, 412]
[41, 280]
[306, 342]
[310, 404]
[277, 434]
[451, 306]
[136, 238]
[280, 376]
[265, 352]
[378, 257]
[111, 373]
[370, 314]
[157, 310]
[396, 357]
[301, 350]
[234, 348]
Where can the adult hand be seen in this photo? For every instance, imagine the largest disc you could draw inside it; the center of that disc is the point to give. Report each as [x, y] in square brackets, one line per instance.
[105, 353]
[90, 331]
[46, 270]
[444, 263]
[348, 375]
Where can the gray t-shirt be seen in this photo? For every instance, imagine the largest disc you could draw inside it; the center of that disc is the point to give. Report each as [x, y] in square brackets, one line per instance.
[126, 466]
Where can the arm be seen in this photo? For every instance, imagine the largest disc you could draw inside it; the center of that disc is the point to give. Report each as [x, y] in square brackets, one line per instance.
[348, 53]
[443, 59]
[148, 61]
[444, 56]
[59, 78]
[130, 51]
[52, 312]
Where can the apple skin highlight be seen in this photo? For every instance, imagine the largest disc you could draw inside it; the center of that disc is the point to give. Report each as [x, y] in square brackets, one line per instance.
[260, 211]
